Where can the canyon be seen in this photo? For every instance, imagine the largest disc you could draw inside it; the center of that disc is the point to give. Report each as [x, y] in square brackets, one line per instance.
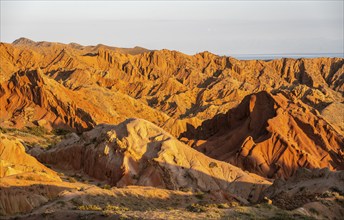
[86, 126]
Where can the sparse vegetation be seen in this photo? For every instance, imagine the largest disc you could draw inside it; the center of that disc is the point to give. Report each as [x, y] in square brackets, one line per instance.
[329, 194]
[199, 195]
[60, 131]
[36, 130]
[19, 177]
[89, 208]
[115, 208]
[107, 213]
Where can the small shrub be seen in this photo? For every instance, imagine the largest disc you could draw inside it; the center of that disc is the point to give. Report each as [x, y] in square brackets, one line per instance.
[71, 179]
[212, 164]
[234, 204]
[136, 177]
[186, 189]
[81, 189]
[106, 186]
[199, 196]
[314, 211]
[60, 131]
[107, 213]
[196, 208]
[62, 203]
[302, 188]
[327, 194]
[29, 178]
[223, 206]
[3, 130]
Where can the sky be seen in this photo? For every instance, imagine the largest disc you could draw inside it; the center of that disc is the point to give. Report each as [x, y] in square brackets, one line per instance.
[221, 27]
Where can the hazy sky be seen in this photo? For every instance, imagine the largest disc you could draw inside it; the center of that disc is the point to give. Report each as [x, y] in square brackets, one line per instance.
[222, 27]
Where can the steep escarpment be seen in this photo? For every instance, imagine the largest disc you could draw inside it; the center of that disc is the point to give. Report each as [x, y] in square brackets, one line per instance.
[30, 96]
[184, 88]
[271, 135]
[209, 129]
[137, 152]
[77, 87]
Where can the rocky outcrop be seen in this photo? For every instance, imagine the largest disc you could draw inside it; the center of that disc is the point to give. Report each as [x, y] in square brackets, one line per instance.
[29, 96]
[25, 183]
[179, 86]
[271, 135]
[23, 199]
[267, 117]
[14, 160]
[136, 152]
[306, 186]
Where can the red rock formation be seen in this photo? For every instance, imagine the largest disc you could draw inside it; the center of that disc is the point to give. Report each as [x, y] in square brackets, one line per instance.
[271, 135]
[136, 152]
[176, 84]
[79, 87]
[15, 161]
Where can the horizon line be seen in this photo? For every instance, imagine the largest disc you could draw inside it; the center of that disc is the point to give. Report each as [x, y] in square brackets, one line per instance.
[241, 55]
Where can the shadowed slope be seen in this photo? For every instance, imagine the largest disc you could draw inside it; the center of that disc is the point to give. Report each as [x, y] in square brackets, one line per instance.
[189, 89]
[271, 135]
[30, 96]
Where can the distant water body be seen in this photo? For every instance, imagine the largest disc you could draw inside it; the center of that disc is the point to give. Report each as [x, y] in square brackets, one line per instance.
[279, 56]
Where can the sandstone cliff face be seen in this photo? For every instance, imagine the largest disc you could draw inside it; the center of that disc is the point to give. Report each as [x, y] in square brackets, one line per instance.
[270, 118]
[77, 87]
[271, 135]
[178, 87]
[136, 152]
[14, 160]
[30, 96]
